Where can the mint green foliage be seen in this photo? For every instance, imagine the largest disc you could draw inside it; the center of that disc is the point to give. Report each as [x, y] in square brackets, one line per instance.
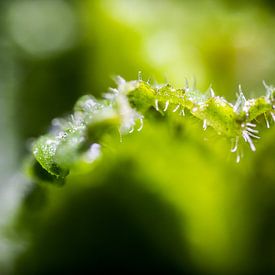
[142, 101]
[45, 151]
[162, 199]
[257, 107]
[124, 108]
[130, 210]
[220, 115]
[170, 197]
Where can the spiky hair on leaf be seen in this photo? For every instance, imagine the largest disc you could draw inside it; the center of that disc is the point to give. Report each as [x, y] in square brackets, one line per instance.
[78, 137]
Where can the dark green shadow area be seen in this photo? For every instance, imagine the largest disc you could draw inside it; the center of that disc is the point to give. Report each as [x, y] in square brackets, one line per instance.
[113, 224]
[262, 192]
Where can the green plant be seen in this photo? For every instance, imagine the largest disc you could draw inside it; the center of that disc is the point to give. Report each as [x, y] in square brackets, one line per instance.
[77, 138]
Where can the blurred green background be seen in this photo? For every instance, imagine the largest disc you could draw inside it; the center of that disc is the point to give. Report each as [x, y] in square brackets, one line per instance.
[170, 198]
